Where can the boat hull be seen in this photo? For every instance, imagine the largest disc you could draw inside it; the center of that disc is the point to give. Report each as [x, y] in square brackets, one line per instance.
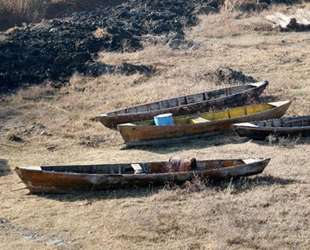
[38, 181]
[111, 120]
[145, 135]
[294, 127]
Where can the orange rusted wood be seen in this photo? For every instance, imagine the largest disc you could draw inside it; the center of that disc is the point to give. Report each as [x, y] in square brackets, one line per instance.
[64, 179]
[183, 105]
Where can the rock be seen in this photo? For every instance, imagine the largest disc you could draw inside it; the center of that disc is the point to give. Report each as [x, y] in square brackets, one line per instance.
[206, 10]
[130, 69]
[55, 242]
[227, 75]
[176, 42]
[3, 220]
[81, 57]
[14, 137]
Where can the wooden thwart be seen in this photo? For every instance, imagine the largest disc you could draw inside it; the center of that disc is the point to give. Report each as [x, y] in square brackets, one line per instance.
[199, 120]
[137, 168]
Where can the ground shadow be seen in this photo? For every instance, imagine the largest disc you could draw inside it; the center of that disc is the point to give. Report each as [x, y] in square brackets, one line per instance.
[235, 185]
[223, 138]
[105, 194]
[281, 141]
[269, 98]
[244, 183]
[4, 167]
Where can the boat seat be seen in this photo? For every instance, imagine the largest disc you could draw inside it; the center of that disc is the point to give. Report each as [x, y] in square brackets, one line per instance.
[199, 120]
[137, 168]
[129, 124]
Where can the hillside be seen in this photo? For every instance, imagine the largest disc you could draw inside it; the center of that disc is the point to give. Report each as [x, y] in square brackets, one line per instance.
[44, 124]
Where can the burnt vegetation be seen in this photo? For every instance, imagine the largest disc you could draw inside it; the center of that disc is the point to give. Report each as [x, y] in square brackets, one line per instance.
[53, 50]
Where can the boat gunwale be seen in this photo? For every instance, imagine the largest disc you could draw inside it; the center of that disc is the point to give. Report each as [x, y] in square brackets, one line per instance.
[211, 122]
[257, 160]
[253, 87]
[243, 125]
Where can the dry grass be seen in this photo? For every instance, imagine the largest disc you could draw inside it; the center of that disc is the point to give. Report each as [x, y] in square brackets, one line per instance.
[16, 12]
[270, 211]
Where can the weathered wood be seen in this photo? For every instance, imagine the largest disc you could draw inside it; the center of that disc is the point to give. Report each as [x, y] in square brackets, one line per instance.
[146, 133]
[190, 104]
[291, 126]
[130, 145]
[75, 178]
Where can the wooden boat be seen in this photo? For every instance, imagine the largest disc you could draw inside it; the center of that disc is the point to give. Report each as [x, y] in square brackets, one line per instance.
[290, 126]
[184, 105]
[144, 133]
[64, 179]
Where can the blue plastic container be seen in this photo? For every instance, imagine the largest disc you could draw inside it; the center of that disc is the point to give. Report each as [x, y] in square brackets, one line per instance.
[163, 119]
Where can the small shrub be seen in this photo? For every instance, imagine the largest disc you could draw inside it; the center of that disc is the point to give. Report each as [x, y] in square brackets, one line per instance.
[241, 5]
[101, 34]
[288, 142]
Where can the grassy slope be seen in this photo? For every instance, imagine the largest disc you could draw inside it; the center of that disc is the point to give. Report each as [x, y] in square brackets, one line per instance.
[266, 212]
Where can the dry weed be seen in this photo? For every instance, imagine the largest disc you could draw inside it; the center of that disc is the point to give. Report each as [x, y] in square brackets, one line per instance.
[16, 12]
[239, 5]
[266, 212]
[101, 33]
[288, 142]
[36, 93]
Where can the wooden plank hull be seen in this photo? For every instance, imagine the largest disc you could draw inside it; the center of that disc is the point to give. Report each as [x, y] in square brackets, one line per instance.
[39, 180]
[183, 105]
[135, 135]
[293, 126]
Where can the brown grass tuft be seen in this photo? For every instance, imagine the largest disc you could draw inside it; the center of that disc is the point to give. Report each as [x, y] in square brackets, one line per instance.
[101, 33]
[239, 5]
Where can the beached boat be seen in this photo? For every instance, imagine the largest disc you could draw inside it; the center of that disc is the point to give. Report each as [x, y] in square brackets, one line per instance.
[183, 105]
[290, 126]
[73, 178]
[145, 133]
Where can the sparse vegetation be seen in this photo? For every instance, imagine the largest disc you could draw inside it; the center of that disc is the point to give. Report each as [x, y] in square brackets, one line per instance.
[270, 211]
[16, 12]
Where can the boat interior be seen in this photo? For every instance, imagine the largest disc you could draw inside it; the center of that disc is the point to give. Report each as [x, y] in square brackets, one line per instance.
[131, 168]
[182, 100]
[301, 121]
[215, 115]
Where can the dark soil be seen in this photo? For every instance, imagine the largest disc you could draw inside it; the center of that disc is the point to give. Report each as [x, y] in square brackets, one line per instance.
[226, 75]
[55, 49]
